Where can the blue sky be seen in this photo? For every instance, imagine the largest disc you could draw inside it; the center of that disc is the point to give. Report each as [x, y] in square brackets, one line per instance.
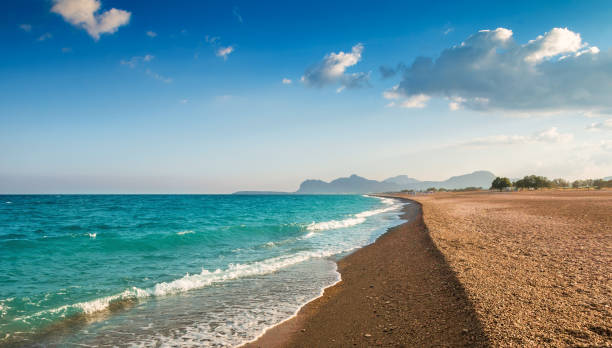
[195, 96]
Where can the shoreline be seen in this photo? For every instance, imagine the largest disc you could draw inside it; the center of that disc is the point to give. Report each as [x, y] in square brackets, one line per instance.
[339, 315]
[285, 327]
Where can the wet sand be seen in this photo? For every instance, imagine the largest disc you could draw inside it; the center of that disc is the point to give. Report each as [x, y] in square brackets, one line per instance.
[396, 292]
[481, 269]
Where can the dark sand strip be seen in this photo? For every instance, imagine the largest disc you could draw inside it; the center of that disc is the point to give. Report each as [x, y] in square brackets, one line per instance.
[396, 292]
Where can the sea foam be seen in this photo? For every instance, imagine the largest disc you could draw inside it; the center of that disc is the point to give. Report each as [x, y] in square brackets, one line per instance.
[353, 220]
[189, 282]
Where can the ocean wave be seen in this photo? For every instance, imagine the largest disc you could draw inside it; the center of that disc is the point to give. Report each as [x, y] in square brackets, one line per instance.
[180, 233]
[186, 283]
[354, 220]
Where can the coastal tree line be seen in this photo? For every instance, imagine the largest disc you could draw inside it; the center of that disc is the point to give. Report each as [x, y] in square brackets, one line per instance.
[537, 182]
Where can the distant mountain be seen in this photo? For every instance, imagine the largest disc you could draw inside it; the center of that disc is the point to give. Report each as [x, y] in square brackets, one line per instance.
[608, 178]
[401, 180]
[352, 184]
[357, 184]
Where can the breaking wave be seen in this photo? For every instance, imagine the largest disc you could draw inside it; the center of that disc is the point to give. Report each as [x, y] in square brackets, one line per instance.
[356, 219]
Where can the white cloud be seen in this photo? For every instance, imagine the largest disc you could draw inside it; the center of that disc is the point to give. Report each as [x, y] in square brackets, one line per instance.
[555, 42]
[44, 37]
[151, 33]
[418, 101]
[83, 14]
[134, 61]
[499, 34]
[287, 81]
[604, 125]
[25, 27]
[392, 93]
[224, 52]
[158, 76]
[555, 72]
[332, 70]
[455, 103]
[551, 135]
[220, 51]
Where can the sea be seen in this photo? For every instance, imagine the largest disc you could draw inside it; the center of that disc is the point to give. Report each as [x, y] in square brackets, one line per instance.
[171, 270]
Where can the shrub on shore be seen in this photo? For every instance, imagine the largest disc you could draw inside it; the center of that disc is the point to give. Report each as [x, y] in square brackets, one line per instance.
[500, 183]
[533, 182]
[536, 182]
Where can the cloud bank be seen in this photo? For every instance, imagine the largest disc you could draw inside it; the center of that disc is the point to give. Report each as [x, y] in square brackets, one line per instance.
[604, 125]
[332, 71]
[556, 71]
[551, 135]
[84, 14]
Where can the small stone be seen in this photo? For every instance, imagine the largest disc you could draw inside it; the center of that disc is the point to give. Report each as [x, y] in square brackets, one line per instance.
[303, 330]
[367, 335]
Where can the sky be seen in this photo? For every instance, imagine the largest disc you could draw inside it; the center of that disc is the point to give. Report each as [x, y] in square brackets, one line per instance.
[108, 96]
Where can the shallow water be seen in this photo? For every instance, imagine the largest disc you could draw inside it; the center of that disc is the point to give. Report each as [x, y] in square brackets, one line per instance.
[138, 270]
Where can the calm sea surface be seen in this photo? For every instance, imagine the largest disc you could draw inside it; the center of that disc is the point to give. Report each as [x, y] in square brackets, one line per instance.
[171, 270]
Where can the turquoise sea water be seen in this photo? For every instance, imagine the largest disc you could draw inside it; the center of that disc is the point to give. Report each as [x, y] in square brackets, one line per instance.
[171, 270]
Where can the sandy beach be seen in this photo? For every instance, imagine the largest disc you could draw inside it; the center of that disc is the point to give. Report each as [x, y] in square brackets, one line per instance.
[396, 292]
[474, 269]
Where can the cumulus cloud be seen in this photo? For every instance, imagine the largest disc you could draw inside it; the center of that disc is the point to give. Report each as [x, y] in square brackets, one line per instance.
[287, 81]
[551, 135]
[556, 71]
[25, 27]
[84, 14]
[417, 101]
[151, 33]
[604, 125]
[332, 70]
[555, 42]
[224, 52]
